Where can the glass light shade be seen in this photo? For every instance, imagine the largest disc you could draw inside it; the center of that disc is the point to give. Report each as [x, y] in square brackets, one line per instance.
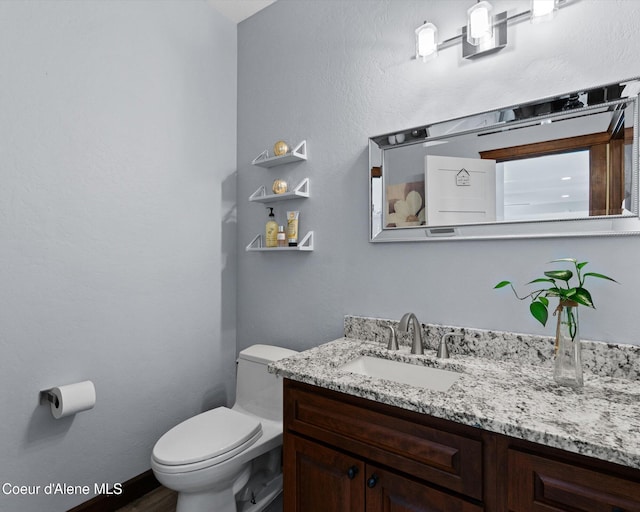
[543, 10]
[479, 23]
[426, 42]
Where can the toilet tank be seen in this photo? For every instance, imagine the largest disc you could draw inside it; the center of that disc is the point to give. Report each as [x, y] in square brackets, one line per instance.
[258, 391]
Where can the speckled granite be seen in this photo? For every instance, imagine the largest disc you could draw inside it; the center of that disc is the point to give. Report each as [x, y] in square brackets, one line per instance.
[521, 400]
[604, 359]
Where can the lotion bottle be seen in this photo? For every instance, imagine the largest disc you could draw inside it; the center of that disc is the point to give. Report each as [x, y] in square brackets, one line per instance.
[282, 237]
[271, 230]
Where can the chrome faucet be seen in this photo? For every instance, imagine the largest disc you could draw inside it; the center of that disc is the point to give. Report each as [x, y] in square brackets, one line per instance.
[443, 349]
[416, 346]
[393, 341]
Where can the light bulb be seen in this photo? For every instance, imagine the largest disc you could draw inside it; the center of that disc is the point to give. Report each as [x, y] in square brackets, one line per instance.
[479, 23]
[543, 10]
[426, 42]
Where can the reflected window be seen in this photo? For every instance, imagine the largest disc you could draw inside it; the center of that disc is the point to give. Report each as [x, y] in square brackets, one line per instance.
[545, 187]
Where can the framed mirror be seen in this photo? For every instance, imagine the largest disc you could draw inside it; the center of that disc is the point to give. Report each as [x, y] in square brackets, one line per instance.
[556, 167]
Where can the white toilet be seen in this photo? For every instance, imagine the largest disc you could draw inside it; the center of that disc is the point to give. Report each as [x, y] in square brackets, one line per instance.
[229, 460]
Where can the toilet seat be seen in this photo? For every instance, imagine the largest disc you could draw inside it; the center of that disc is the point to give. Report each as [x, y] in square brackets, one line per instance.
[206, 440]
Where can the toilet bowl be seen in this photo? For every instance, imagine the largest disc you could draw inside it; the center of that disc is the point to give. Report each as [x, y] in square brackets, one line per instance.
[229, 460]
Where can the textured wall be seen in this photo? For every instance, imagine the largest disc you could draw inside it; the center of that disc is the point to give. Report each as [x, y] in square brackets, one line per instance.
[117, 159]
[336, 72]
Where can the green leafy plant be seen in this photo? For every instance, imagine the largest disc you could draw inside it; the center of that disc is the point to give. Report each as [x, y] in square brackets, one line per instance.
[558, 285]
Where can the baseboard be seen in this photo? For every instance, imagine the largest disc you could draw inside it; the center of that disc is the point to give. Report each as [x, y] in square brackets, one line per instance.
[132, 489]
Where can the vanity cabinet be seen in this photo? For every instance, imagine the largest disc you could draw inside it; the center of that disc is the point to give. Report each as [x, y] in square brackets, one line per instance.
[345, 453]
[340, 456]
[542, 484]
[326, 479]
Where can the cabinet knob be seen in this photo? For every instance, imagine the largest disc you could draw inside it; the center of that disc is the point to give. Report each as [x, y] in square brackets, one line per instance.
[371, 483]
[352, 472]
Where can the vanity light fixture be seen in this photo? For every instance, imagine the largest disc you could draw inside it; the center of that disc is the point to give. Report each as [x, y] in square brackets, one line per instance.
[479, 23]
[543, 10]
[426, 41]
[484, 33]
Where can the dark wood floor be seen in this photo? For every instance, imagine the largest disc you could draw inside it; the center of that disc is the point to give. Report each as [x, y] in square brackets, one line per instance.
[158, 500]
[164, 500]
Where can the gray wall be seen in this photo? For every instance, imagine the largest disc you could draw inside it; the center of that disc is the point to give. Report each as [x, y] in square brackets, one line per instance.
[336, 72]
[117, 225]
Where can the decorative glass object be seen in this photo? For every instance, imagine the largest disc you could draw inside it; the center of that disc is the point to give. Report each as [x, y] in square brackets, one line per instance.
[568, 363]
[280, 148]
[279, 186]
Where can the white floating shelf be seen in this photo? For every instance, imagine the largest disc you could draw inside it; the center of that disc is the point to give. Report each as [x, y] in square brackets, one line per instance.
[300, 190]
[296, 154]
[306, 244]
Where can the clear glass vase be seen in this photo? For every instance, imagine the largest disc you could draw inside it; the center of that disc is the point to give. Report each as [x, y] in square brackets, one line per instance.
[568, 363]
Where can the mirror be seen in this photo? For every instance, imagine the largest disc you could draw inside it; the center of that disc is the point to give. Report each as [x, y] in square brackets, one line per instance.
[562, 166]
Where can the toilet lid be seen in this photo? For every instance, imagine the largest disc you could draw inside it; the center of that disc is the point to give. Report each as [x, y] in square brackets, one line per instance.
[206, 436]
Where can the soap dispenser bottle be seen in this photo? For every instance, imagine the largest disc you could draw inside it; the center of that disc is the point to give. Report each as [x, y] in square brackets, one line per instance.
[271, 230]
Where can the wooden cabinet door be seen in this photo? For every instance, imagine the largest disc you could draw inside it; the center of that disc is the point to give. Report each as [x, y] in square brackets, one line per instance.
[389, 492]
[319, 479]
[538, 484]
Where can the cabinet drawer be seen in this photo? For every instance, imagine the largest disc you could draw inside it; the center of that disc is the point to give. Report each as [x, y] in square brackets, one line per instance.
[402, 441]
[539, 484]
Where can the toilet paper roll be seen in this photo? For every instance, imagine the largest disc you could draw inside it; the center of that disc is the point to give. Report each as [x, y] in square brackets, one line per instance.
[73, 398]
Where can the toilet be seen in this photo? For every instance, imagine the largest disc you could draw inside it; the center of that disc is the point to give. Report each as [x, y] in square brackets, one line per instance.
[229, 460]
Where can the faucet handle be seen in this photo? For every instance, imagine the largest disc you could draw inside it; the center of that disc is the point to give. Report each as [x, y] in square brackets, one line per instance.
[393, 340]
[443, 350]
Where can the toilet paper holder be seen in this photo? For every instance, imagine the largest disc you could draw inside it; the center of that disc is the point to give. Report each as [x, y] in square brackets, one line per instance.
[47, 396]
[69, 399]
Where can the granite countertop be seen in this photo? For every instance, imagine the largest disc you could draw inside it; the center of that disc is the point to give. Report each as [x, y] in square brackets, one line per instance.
[600, 420]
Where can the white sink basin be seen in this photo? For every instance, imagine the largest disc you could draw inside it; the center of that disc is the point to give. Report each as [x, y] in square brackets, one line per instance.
[406, 373]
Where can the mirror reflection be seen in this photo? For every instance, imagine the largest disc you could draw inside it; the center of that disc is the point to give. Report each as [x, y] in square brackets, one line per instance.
[569, 158]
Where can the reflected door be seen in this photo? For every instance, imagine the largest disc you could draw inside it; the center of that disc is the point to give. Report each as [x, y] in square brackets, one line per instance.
[459, 190]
